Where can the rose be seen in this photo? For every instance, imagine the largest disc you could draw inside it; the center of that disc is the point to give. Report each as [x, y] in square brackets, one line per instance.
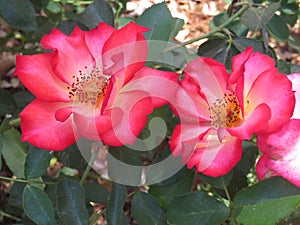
[230, 108]
[79, 86]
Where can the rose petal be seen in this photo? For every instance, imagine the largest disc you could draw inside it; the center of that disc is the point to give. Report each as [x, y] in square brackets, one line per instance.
[96, 38]
[262, 170]
[210, 75]
[41, 129]
[36, 74]
[282, 152]
[295, 79]
[253, 123]
[73, 54]
[281, 102]
[126, 50]
[129, 116]
[216, 159]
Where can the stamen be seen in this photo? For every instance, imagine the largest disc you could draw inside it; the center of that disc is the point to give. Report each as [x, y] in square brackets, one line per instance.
[89, 88]
[225, 112]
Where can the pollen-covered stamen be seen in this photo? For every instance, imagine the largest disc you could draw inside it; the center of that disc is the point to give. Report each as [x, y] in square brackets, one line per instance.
[225, 112]
[89, 88]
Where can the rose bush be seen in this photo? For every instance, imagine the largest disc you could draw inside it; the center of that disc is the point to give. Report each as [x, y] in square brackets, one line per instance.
[112, 118]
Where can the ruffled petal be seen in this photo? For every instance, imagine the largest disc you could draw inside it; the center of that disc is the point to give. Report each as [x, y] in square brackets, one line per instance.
[238, 66]
[91, 127]
[72, 52]
[282, 152]
[126, 50]
[295, 79]
[36, 74]
[216, 158]
[262, 170]
[184, 139]
[129, 116]
[210, 75]
[160, 85]
[251, 66]
[254, 122]
[281, 102]
[190, 103]
[96, 38]
[41, 129]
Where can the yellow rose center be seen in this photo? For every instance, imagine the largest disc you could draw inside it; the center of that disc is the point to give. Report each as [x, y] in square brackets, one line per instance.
[226, 112]
[89, 88]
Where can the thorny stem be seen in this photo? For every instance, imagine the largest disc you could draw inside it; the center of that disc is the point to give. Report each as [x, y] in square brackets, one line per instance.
[88, 167]
[9, 216]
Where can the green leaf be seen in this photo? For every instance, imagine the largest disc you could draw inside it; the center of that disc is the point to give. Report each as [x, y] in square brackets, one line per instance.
[20, 14]
[1, 146]
[16, 192]
[7, 103]
[95, 193]
[241, 43]
[71, 157]
[67, 26]
[114, 213]
[162, 25]
[223, 49]
[266, 202]
[196, 208]
[13, 152]
[236, 26]
[69, 171]
[278, 29]
[250, 152]
[289, 11]
[71, 203]
[256, 18]
[53, 7]
[98, 11]
[38, 206]
[146, 209]
[23, 98]
[177, 24]
[218, 182]
[165, 193]
[159, 19]
[37, 162]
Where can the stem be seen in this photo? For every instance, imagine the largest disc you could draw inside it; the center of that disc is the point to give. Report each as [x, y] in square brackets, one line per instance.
[10, 216]
[95, 216]
[4, 123]
[20, 50]
[118, 10]
[231, 207]
[15, 122]
[24, 181]
[219, 28]
[88, 167]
